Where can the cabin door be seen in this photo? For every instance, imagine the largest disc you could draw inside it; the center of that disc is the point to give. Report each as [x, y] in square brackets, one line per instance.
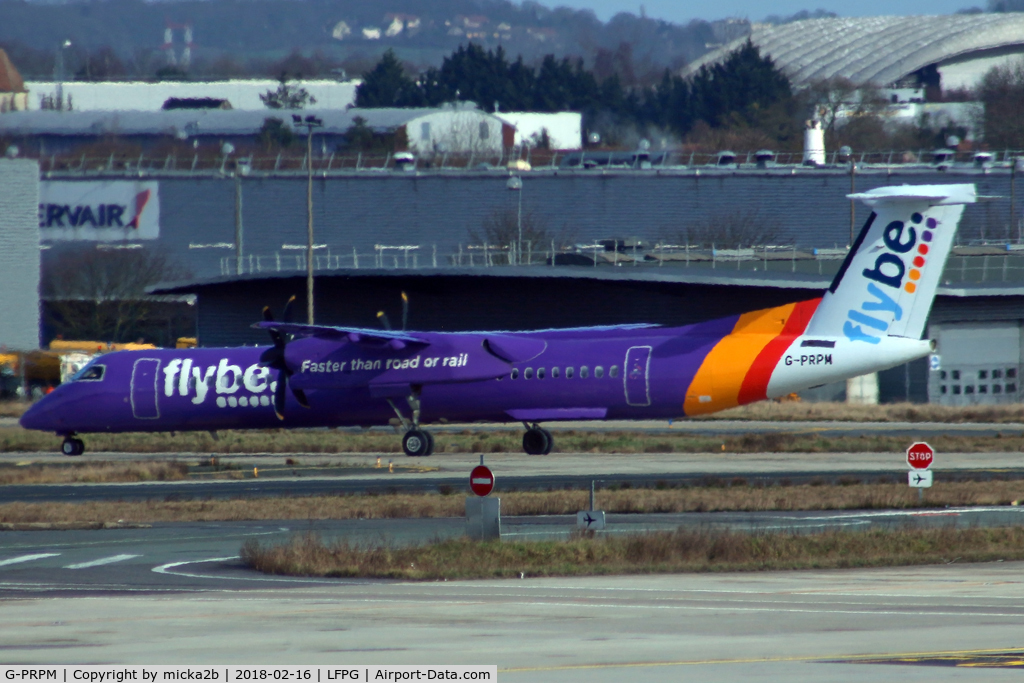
[145, 375]
[636, 376]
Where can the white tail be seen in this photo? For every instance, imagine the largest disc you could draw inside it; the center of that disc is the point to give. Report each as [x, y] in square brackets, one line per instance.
[887, 283]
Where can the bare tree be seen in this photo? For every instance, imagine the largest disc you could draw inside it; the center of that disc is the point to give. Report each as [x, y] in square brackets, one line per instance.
[101, 294]
[732, 230]
[287, 96]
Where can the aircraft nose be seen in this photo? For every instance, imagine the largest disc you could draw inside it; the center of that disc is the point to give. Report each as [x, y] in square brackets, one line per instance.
[39, 417]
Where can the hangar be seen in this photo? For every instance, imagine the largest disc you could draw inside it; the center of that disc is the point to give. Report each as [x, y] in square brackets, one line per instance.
[949, 51]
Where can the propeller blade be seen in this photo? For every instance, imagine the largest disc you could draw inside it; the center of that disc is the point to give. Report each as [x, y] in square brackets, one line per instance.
[405, 311]
[300, 396]
[383, 318]
[267, 315]
[279, 393]
[287, 315]
[273, 356]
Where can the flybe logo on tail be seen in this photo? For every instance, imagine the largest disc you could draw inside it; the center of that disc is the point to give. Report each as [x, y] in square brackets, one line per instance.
[890, 271]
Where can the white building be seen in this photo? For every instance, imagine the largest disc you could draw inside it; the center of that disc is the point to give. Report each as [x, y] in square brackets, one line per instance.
[243, 95]
[564, 129]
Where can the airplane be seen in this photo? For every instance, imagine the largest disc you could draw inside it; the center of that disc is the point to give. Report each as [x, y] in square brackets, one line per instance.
[871, 318]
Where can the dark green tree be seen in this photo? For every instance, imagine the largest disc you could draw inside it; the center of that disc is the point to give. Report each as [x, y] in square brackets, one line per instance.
[388, 86]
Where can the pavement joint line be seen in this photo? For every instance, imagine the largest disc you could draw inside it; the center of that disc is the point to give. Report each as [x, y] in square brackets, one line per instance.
[101, 561]
[758, 660]
[26, 558]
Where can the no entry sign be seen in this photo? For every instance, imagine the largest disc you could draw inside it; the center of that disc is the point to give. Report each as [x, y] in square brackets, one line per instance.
[920, 456]
[481, 480]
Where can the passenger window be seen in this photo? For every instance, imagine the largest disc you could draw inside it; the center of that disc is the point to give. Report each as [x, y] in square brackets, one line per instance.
[540, 373]
[485, 130]
[568, 373]
[614, 371]
[554, 373]
[515, 373]
[90, 373]
[528, 373]
[599, 372]
[584, 372]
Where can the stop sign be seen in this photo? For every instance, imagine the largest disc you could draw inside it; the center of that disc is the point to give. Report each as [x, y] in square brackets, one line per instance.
[920, 456]
[481, 480]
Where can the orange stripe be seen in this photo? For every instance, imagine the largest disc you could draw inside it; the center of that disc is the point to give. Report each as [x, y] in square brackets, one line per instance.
[755, 384]
[716, 386]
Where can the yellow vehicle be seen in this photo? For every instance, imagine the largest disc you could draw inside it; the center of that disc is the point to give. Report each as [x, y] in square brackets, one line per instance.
[39, 371]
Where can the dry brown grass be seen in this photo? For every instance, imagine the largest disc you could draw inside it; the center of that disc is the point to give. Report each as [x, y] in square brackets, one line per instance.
[326, 441]
[93, 472]
[889, 412]
[682, 550]
[713, 498]
[13, 408]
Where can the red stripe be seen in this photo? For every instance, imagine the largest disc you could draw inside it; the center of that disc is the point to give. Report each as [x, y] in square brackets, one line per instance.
[755, 384]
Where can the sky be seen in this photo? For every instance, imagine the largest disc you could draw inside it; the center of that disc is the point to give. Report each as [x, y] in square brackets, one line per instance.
[681, 11]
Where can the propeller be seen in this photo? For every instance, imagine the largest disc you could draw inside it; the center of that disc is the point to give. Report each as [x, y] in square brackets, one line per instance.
[274, 358]
[383, 317]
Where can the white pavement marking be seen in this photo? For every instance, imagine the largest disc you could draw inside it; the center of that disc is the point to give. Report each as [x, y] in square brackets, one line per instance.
[26, 558]
[102, 561]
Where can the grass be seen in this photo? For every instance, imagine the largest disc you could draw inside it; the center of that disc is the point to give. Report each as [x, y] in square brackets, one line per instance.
[327, 441]
[93, 472]
[888, 412]
[649, 553]
[712, 496]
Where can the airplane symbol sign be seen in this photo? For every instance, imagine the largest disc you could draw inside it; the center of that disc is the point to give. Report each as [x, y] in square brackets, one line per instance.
[920, 479]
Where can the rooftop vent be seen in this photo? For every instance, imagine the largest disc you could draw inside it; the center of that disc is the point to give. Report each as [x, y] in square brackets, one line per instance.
[765, 158]
[726, 158]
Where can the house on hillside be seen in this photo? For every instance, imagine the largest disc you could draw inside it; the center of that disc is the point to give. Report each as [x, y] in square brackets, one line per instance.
[13, 96]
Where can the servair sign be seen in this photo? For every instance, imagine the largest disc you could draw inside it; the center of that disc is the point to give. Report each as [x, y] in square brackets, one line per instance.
[105, 210]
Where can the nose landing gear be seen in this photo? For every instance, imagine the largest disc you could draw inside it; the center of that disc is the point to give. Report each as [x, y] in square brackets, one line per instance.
[416, 442]
[537, 441]
[72, 446]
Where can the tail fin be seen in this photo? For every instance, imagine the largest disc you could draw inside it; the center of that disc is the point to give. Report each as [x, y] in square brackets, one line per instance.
[887, 283]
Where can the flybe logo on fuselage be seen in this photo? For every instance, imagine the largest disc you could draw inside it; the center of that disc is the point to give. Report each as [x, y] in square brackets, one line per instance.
[889, 271]
[232, 385]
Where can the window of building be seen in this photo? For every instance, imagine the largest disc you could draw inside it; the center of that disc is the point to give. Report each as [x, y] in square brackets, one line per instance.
[969, 389]
[1011, 373]
[614, 371]
[956, 389]
[956, 374]
[540, 373]
[584, 372]
[942, 389]
[982, 374]
[528, 373]
[997, 388]
[982, 388]
[485, 130]
[1011, 388]
[599, 372]
[942, 374]
[425, 130]
[568, 373]
[554, 373]
[997, 374]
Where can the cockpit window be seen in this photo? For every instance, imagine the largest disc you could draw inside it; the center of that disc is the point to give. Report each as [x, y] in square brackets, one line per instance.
[90, 373]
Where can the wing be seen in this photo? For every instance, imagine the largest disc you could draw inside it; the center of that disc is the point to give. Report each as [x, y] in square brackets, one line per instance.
[356, 335]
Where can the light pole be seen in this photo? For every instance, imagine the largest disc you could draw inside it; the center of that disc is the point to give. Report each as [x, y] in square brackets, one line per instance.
[310, 122]
[516, 183]
[59, 68]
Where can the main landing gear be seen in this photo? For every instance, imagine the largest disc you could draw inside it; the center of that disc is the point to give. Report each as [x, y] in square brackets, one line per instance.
[537, 441]
[416, 442]
[72, 446]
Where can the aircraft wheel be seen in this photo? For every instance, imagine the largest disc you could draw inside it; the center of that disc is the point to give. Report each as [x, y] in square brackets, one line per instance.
[536, 441]
[430, 442]
[415, 443]
[550, 442]
[72, 446]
